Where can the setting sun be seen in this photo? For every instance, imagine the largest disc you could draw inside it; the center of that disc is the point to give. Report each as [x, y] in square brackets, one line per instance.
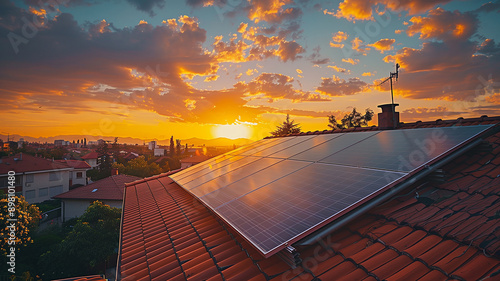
[232, 131]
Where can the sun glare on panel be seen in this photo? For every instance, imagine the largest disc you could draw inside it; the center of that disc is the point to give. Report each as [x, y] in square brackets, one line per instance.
[232, 131]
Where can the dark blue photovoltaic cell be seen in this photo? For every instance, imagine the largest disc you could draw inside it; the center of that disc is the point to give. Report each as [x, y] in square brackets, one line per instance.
[280, 211]
[231, 172]
[234, 189]
[402, 150]
[281, 146]
[327, 148]
[291, 186]
[215, 170]
[305, 145]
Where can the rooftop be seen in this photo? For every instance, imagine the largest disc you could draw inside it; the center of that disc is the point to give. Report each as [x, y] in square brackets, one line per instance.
[110, 188]
[436, 229]
[195, 159]
[22, 163]
[91, 155]
[76, 164]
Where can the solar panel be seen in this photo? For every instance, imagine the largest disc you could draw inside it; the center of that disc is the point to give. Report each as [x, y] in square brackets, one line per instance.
[334, 145]
[277, 191]
[402, 150]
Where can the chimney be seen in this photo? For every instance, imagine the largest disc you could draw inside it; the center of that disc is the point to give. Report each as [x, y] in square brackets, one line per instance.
[388, 119]
[114, 171]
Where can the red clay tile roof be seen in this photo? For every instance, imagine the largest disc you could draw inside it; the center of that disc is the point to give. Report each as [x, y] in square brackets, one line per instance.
[195, 159]
[84, 278]
[77, 164]
[434, 230]
[28, 163]
[110, 188]
[91, 155]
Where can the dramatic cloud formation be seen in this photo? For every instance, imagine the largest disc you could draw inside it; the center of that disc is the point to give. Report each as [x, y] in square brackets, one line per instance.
[364, 9]
[277, 86]
[452, 66]
[335, 86]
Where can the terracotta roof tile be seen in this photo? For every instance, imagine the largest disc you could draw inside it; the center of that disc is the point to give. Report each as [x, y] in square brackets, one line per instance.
[22, 163]
[435, 231]
[110, 188]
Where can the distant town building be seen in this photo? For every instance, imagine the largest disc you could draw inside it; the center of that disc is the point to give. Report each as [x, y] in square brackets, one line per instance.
[108, 190]
[91, 159]
[159, 152]
[79, 173]
[37, 179]
[190, 161]
[20, 143]
[152, 145]
[59, 142]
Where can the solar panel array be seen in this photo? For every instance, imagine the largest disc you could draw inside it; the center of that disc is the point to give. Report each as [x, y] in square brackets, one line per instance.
[276, 191]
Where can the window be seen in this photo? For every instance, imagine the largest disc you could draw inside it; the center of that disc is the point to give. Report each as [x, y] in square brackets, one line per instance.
[4, 181]
[54, 176]
[55, 190]
[30, 178]
[42, 192]
[29, 194]
[79, 175]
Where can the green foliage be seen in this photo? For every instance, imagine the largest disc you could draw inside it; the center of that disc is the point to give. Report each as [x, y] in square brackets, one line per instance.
[89, 245]
[138, 167]
[351, 120]
[288, 127]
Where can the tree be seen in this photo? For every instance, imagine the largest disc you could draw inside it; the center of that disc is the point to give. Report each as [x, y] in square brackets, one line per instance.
[27, 217]
[103, 159]
[172, 147]
[178, 147]
[138, 167]
[84, 141]
[288, 127]
[351, 120]
[88, 247]
[186, 150]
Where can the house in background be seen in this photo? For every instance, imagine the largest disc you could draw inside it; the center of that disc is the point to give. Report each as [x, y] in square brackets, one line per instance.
[108, 190]
[79, 173]
[190, 161]
[91, 159]
[37, 179]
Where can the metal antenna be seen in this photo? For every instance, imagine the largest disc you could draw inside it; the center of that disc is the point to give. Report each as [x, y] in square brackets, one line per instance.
[392, 75]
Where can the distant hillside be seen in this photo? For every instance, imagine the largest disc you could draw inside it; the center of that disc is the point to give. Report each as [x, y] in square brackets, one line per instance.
[127, 140]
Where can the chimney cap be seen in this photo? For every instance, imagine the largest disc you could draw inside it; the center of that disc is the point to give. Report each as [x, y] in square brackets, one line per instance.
[388, 105]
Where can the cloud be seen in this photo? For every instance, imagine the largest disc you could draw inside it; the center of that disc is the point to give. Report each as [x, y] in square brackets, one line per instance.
[316, 58]
[426, 113]
[335, 86]
[272, 11]
[276, 86]
[383, 45]
[351, 61]
[353, 10]
[450, 66]
[495, 98]
[339, 69]
[359, 46]
[489, 7]
[338, 38]
[367, 74]
[443, 25]
[147, 5]
[256, 46]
